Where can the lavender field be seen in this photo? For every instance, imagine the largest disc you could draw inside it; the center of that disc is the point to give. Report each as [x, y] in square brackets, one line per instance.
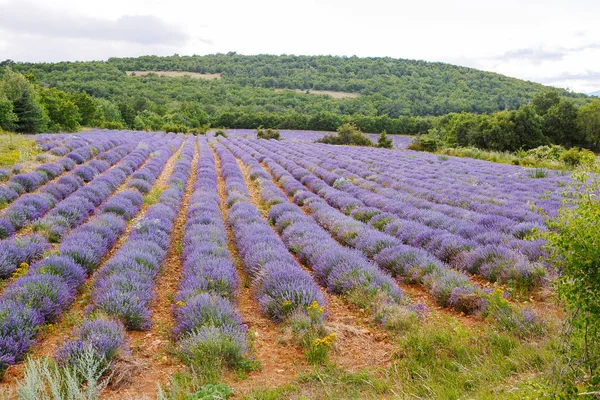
[133, 257]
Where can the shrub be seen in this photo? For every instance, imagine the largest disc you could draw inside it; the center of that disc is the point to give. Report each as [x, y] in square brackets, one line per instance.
[574, 157]
[220, 132]
[177, 128]
[347, 134]
[425, 143]
[268, 133]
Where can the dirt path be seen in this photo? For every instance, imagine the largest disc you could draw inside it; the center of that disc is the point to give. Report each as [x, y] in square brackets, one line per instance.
[280, 362]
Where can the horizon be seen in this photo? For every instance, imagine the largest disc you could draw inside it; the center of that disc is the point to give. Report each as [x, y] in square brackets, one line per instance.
[561, 51]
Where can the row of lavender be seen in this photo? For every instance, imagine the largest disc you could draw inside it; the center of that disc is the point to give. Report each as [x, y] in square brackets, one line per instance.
[339, 269]
[208, 328]
[30, 181]
[71, 212]
[448, 287]
[56, 145]
[57, 183]
[281, 285]
[398, 141]
[506, 258]
[124, 286]
[51, 285]
[488, 188]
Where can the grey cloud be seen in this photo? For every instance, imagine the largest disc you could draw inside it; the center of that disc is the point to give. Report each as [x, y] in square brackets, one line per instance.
[538, 55]
[28, 18]
[533, 55]
[590, 76]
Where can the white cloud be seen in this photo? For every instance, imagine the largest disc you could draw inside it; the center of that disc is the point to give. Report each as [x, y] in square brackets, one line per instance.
[528, 39]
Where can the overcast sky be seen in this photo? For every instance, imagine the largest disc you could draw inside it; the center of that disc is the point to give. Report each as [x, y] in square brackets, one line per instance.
[549, 41]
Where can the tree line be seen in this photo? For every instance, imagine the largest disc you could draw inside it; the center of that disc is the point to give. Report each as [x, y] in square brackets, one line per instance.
[549, 119]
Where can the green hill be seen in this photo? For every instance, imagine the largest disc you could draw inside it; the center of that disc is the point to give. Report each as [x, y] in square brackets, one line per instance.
[386, 86]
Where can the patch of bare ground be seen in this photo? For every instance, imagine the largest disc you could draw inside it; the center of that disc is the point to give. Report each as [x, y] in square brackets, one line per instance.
[175, 74]
[331, 93]
[359, 343]
[151, 362]
[280, 362]
[54, 335]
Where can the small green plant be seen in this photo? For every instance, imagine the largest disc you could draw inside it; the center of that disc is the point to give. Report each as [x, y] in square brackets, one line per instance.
[308, 331]
[44, 379]
[188, 386]
[538, 173]
[220, 132]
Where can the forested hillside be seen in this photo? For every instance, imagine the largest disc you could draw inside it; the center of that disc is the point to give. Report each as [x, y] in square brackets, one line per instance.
[400, 96]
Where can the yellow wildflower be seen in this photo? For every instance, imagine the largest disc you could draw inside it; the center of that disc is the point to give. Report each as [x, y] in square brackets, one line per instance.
[180, 304]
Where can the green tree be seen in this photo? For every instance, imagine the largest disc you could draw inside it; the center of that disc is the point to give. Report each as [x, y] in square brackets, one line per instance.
[528, 129]
[127, 113]
[64, 114]
[88, 108]
[31, 115]
[384, 142]
[543, 101]
[7, 117]
[559, 124]
[588, 120]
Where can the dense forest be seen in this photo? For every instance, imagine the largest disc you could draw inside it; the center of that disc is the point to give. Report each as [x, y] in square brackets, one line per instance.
[456, 105]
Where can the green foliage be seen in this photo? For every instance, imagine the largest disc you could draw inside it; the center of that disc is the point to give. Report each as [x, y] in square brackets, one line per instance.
[267, 133]
[588, 121]
[220, 132]
[384, 142]
[552, 152]
[575, 247]
[43, 379]
[574, 157]
[87, 107]
[31, 115]
[538, 173]
[7, 116]
[188, 386]
[347, 134]
[172, 127]
[63, 112]
[542, 102]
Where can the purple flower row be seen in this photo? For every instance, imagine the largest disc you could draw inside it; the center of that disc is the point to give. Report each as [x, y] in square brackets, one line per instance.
[340, 269]
[281, 285]
[500, 262]
[486, 188]
[75, 209]
[205, 315]
[51, 284]
[105, 335]
[32, 206]
[123, 287]
[30, 181]
[68, 214]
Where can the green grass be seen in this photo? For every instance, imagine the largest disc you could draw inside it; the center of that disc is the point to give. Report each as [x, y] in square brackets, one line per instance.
[438, 359]
[16, 149]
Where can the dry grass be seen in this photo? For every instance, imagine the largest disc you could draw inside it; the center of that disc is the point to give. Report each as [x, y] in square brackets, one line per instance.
[331, 93]
[175, 74]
